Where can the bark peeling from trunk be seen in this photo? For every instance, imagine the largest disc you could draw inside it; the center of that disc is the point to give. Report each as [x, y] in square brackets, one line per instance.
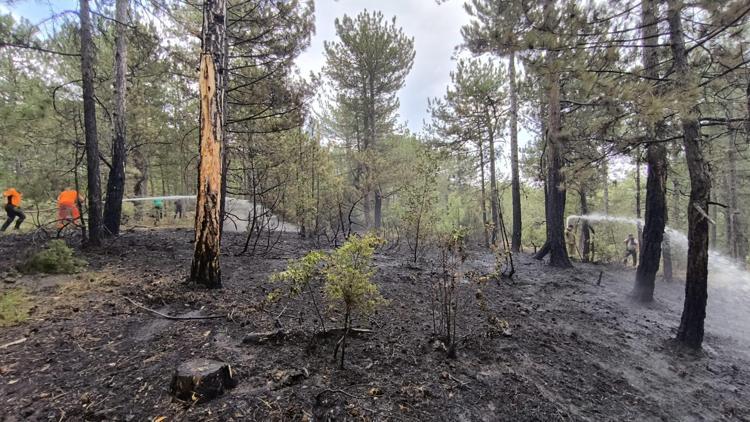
[205, 269]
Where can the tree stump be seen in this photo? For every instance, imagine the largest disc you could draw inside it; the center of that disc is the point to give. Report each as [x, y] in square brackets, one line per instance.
[202, 379]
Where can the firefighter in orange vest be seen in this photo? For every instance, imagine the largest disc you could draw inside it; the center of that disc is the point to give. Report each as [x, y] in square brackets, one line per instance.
[13, 208]
[67, 209]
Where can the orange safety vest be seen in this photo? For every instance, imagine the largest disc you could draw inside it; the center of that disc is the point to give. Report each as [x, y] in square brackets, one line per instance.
[67, 198]
[14, 196]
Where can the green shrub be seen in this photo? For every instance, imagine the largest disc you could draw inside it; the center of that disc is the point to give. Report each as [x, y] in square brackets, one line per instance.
[55, 258]
[14, 307]
[347, 275]
[299, 275]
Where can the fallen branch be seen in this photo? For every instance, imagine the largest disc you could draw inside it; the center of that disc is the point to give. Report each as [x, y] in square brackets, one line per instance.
[340, 331]
[13, 343]
[171, 317]
[265, 336]
[461, 383]
[259, 338]
[329, 390]
[599, 281]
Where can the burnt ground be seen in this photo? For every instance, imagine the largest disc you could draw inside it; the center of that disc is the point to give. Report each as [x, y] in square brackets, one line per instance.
[575, 350]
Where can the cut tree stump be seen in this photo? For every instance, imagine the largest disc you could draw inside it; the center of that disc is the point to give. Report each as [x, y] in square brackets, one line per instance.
[202, 379]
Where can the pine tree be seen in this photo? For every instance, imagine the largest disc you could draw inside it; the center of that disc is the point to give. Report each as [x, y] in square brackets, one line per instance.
[690, 331]
[656, 156]
[368, 65]
[116, 180]
[89, 118]
[498, 27]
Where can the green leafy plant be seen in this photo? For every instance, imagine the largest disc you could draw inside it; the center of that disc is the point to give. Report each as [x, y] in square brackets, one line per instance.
[14, 307]
[55, 258]
[347, 275]
[300, 275]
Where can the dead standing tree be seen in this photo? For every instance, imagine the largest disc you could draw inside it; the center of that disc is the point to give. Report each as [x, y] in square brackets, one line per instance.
[205, 268]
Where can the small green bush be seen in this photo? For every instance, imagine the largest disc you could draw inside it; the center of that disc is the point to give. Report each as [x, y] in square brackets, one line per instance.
[347, 281]
[55, 258]
[14, 307]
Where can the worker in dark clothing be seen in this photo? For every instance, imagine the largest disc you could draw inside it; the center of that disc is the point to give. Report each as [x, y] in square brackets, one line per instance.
[631, 249]
[178, 209]
[13, 209]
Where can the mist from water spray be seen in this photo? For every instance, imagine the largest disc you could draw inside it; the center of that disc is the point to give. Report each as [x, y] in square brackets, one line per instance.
[722, 270]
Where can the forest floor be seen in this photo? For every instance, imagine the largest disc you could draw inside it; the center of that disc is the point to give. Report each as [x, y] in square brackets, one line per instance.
[575, 350]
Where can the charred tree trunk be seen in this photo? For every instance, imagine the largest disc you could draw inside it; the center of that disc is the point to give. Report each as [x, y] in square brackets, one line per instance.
[690, 331]
[116, 180]
[89, 118]
[515, 184]
[554, 187]
[656, 181]
[585, 232]
[205, 268]
[653, 230]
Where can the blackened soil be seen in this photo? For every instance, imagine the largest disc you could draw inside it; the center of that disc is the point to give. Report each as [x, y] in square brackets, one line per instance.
[574, 350]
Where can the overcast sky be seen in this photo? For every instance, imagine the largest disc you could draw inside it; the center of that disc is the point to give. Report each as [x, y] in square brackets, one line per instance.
[436, 31]
[435, 28]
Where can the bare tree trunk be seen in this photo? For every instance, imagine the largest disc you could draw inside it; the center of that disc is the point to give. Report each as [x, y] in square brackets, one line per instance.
[116, 180]
[367, 207]
[656, 181]
[89, 117]
[690, 331]
[494, 205]
[605, 178]
[666, 250]
[712, 227]
[639, 227]
[224, 141]
[515, 184]
[484, 197]
[730, 198]
[585, 232]
[736, 238]
[378, 208]
[205, 268]
[140, 188]
[378, 199]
